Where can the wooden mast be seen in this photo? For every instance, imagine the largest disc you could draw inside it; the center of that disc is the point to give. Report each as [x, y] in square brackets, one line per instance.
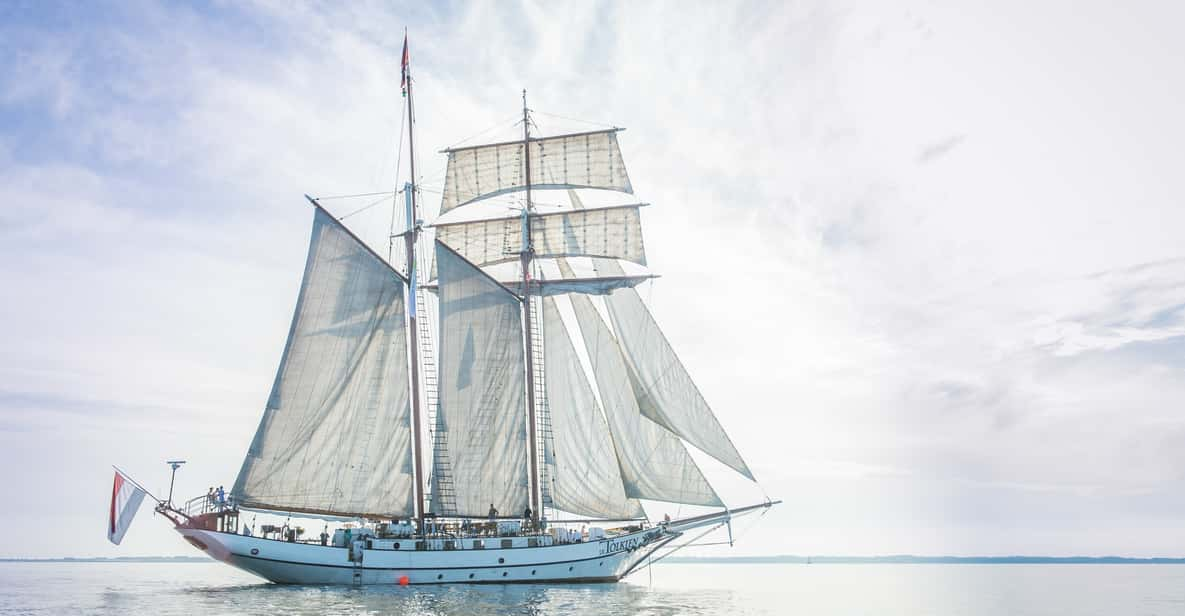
[410, 236]
[525, 258]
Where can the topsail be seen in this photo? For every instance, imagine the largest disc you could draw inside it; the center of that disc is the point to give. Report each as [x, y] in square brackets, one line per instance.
[581, 160]
[609, 232]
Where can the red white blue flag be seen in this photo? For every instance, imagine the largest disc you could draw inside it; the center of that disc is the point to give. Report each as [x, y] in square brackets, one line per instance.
[405, 66]
[126, 497]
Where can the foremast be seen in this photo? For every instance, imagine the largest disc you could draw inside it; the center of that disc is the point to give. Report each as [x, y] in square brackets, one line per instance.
[410, 237]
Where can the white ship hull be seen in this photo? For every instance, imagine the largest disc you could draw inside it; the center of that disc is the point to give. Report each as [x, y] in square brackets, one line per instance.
[606, 560]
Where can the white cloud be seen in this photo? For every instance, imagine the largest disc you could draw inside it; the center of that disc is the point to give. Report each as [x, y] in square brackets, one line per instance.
[881, 232]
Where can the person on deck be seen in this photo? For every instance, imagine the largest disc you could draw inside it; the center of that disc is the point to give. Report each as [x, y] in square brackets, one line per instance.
[221, 494]
[493, 512]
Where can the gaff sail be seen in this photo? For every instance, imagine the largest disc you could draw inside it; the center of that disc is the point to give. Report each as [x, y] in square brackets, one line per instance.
[482, 379]
[126, 497]
[335, 437]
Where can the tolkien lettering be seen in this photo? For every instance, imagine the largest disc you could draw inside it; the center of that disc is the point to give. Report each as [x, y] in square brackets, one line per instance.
[613, 546]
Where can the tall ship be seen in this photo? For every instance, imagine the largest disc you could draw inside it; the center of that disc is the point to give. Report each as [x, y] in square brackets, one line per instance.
[490, 403]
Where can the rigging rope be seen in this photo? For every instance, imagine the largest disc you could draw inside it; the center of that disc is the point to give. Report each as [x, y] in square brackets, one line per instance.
[650, 557]
[398, 165]
[367, 206]
[692, 543]
[370, 194]
[501, 124]
[560, 117]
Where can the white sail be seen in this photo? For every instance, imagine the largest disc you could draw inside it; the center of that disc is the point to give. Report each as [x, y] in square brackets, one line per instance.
[654, 464]
[665, 392]
[585, 478]
[482, 395]
[610, 232]
[335, 437]
[583, 160]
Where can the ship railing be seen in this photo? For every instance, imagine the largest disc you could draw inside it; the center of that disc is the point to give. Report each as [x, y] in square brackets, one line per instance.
[206, 503]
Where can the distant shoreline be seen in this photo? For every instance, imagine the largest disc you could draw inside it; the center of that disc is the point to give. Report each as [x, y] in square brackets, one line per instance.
[901, 559]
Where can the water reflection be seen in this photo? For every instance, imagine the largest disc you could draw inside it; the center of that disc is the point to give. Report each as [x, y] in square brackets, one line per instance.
[477, 600]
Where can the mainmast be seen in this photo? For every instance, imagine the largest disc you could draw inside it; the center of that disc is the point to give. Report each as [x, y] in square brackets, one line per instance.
[525, 257]
[410, 236]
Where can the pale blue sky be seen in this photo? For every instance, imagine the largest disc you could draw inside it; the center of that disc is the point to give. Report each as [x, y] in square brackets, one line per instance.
[925, 260]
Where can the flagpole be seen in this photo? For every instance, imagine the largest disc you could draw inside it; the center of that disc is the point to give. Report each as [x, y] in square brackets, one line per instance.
[137, 484]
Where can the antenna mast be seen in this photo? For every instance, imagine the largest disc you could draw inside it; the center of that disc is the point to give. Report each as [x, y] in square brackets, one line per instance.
[410, 236]
[525, 257]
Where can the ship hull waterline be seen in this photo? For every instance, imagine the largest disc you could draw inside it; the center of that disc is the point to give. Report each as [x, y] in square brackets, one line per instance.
[606, 560]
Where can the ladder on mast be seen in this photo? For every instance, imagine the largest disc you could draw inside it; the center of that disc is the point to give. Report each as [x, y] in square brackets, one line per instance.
[543, 432]
[441, 481]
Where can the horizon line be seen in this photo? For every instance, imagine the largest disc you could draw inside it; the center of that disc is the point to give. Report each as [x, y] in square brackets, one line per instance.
[751, 559]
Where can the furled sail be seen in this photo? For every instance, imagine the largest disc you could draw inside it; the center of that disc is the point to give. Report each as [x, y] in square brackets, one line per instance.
[654, 464]
[611, 232]
[665, 392]
[583, 465]
[581, 160]
[482, 390]
[602, 285]
[335, 437]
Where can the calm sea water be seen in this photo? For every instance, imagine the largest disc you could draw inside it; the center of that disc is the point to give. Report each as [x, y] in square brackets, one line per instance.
[949, 590]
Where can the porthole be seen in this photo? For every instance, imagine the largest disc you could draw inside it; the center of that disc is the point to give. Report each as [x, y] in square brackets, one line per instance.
[532, 572]
[254, 551]
[471, 576]
[503, 574]
[396, 546]
[569, 568]
[440, 576]
[501, 560]
[600, 563]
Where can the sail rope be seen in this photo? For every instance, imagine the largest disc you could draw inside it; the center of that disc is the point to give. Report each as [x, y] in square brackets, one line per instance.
[560, 117]
[382, 199]
[369, 194]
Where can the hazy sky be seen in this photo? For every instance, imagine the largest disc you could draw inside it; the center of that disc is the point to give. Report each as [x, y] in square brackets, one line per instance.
[925, 260]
